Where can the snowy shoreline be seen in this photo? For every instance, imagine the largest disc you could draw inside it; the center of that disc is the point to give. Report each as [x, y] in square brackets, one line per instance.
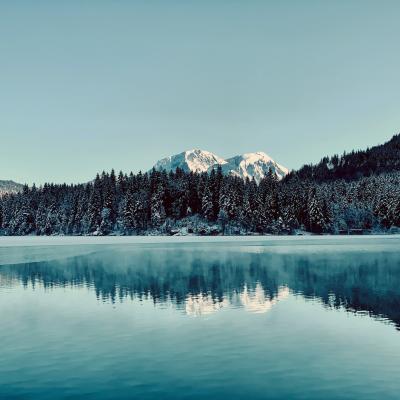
[12, 241]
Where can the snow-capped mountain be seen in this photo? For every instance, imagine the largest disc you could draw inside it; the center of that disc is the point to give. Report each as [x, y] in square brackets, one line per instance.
[246, 165]
[9, 187]
[255, 165]
[191, 160]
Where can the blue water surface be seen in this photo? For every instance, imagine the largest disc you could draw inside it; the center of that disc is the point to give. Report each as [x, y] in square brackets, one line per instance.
[261, 319]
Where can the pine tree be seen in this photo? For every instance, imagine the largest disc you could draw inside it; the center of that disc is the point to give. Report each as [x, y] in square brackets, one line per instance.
[207, 204]
[216, 179]
[246, 214]
[157, 210]
[229, 199]
[394, 208]
[223, 220]
[382, 210]
[129, 213]
[1, 217]
[316, 221]
[194, 189]
[95, 206]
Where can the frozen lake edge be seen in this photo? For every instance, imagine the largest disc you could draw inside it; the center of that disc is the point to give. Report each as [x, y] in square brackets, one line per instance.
[24, 241]
[29, 249]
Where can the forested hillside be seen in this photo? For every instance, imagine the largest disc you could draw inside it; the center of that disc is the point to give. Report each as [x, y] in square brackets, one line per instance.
[161, 203]
[9, 187]
[376, 160]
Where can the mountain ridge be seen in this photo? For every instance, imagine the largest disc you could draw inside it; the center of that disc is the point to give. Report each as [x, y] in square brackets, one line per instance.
[248, 165]
[195, 160]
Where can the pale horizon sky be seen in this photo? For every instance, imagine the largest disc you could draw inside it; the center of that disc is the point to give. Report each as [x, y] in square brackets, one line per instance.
[89, 86]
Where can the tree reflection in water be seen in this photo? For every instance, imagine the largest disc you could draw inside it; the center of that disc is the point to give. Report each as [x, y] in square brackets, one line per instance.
[202, 281]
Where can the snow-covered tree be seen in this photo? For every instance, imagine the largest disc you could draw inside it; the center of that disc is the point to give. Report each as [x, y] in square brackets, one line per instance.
[207, 209]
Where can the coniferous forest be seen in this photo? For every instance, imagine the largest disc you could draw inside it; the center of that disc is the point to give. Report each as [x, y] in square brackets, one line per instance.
[355, 193]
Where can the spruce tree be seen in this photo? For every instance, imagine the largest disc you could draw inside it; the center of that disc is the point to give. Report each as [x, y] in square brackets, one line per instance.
[207, 209]
[157, 210]
[316, 220]
[95, 206]
[246, 214]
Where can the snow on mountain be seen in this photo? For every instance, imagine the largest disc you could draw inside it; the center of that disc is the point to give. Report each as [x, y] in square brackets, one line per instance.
[191, 160]
[255, 165]
[246, 165]
[9, 187]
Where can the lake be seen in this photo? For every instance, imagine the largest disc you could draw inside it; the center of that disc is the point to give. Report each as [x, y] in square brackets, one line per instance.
[195, 318]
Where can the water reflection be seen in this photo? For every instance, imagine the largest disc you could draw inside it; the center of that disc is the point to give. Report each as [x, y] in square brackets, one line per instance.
[197, 305]
[201, 282]
[257, 301]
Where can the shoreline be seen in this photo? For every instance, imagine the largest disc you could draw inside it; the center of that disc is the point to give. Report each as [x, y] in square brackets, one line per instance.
[23, 241]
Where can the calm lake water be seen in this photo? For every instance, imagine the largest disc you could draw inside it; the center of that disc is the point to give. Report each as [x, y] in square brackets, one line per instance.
[308, 318]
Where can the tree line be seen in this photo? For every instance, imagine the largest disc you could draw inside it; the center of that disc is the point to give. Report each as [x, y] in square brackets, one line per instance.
[354, 165]
[158, 202]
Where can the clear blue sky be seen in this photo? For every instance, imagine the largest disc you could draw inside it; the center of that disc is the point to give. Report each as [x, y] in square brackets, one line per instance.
[93, 85]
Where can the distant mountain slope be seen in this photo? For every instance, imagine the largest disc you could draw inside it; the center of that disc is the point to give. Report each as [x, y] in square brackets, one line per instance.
[191, 160]
[354, 165]
[255, 165]
[247, 165]
[9, 187]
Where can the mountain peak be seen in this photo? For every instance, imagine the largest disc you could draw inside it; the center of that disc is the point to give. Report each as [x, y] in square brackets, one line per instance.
[247, 165]
[195, 160]
[254, 157]
[254, 165]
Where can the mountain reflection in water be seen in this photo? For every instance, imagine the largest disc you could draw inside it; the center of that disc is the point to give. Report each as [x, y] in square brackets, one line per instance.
[202, 281]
